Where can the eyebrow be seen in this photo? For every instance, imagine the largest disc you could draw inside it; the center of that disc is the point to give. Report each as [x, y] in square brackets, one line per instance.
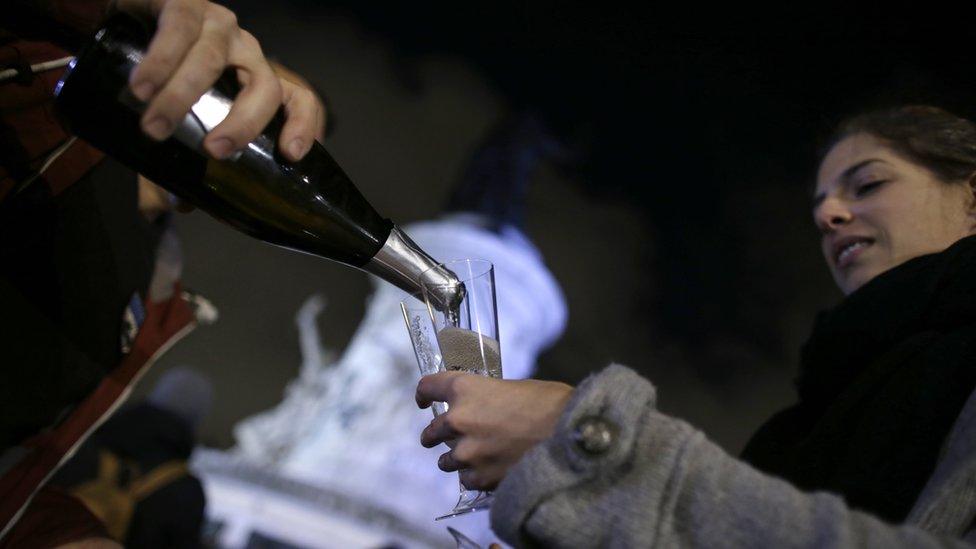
[844, 176]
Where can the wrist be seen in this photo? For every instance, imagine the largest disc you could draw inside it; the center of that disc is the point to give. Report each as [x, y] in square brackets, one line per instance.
[560, 394]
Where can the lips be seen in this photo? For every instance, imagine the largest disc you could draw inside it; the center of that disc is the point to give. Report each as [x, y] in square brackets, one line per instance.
[846, 249]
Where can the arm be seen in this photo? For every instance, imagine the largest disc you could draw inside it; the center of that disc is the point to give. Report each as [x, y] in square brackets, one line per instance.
[652, 480]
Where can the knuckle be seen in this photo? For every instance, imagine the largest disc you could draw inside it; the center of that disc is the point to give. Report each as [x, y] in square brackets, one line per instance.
[232, 20]
[249, 41]
[450, 420]
[214, 54]
[186, 18]
[170, 104]
[300, 96]
[189, 88]
[265, 85]
[456, 421]
[159, 64]
[225, 17]
[464, 383]
[453, 383]
[464, 453]
[291, 94]
[184, 10]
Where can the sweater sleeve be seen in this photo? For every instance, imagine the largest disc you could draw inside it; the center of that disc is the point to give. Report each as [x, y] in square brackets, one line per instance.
[658, 482]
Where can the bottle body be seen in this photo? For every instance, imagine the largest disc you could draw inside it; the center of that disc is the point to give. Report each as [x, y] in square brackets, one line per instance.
[309, 205]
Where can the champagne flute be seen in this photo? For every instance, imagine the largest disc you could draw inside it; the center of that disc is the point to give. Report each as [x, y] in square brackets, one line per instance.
[465, 338]
[430, 361]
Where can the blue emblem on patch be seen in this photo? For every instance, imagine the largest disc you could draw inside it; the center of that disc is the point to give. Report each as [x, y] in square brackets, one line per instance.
[132, 319]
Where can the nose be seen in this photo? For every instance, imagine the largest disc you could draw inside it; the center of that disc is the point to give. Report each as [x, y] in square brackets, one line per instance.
[831, 214]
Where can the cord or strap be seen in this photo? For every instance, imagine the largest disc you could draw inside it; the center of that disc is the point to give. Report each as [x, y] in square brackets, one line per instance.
[55, 154]
[24, 72]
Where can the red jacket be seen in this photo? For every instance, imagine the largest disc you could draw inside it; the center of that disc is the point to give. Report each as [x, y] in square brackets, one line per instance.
[29, 128]
[28, 133]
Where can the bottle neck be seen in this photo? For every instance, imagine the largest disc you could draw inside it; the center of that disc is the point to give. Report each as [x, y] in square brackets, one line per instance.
[401, 262]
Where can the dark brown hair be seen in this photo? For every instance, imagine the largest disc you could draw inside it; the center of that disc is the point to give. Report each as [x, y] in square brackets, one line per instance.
[931, 137]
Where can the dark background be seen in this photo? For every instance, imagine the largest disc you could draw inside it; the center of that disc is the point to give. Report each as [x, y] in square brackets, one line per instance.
[680, 229]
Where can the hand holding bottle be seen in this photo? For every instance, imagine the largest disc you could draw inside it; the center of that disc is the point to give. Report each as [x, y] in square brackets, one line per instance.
[308, 205]
[194, 43]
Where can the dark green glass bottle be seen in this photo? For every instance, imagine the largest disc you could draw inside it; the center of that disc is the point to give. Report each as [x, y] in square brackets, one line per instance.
[309, 205]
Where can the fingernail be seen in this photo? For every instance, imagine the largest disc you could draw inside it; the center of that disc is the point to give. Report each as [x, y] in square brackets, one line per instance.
[221, 148]
[297, 148]
[158, 128]
[143, 91]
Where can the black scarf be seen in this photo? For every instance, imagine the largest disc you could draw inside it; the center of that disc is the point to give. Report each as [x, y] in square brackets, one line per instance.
[883, 378]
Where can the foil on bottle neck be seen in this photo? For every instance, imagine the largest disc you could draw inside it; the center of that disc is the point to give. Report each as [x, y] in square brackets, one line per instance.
[401, 262]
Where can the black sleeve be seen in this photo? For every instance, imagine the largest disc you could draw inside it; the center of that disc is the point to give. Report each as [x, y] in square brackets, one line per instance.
[40, 371]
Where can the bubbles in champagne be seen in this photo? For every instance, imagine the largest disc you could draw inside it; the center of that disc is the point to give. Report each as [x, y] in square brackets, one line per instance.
[426, 355]
[469, 351]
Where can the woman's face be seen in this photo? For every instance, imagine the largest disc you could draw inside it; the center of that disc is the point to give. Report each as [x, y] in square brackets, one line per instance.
[877, 210]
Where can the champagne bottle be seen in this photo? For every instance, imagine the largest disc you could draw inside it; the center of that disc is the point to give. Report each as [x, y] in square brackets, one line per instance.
[310, 205]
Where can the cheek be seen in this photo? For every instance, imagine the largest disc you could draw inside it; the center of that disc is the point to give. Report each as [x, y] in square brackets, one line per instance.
[945, 218]
[920, 227]
[896, 217]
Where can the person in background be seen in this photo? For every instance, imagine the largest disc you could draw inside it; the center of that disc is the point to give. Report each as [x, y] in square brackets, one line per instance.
[880, 450]
[132, 473]
[90, 299]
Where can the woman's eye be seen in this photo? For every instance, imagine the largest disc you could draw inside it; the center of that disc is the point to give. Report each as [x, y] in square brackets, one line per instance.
[866, 188]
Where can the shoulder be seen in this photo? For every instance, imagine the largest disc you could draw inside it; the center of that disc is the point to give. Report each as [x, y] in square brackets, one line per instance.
[947, 504]
[961, 442]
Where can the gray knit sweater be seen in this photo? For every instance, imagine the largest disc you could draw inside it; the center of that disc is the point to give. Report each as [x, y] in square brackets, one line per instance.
[660, 483]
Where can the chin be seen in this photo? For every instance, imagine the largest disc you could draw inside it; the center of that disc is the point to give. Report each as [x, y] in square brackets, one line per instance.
[853, 280]
[857, 278]
[850, 288]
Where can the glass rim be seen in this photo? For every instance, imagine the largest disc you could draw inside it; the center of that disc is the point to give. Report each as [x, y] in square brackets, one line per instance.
[425, 283]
